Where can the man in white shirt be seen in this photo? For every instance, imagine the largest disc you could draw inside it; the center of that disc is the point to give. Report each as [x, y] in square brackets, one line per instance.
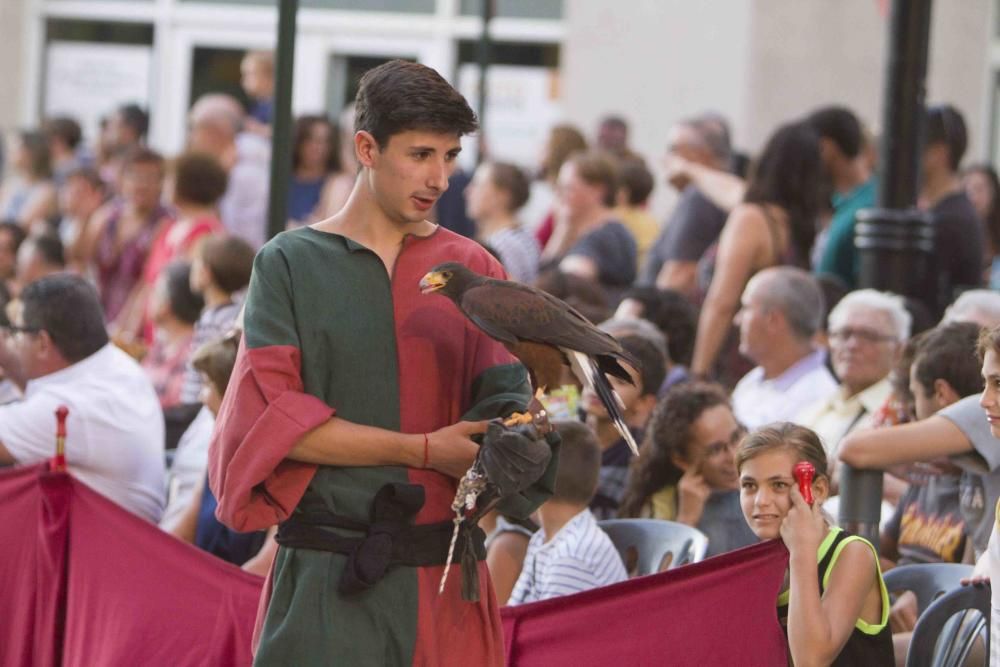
[868, 330]
[782, 309]
[58, 352]
[570, 553]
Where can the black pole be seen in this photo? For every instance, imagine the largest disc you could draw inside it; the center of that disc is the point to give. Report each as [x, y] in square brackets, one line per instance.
[485, 57]
[281, 129]
[894, 241]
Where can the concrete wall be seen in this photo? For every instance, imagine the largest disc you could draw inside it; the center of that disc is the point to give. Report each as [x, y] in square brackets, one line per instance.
[15, 67]
[804, 54]
[760, 62]
[654, 61]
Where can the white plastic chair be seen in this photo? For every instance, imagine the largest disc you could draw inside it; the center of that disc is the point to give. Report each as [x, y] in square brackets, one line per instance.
[647, 546]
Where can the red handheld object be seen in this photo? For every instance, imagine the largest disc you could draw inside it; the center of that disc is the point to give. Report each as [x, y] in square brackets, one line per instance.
[804, 474]
[58, 462]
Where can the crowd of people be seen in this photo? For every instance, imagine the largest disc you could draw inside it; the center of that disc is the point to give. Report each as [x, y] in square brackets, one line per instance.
[123, 271]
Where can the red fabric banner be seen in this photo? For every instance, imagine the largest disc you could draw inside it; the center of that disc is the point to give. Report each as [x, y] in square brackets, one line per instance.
[721, 611]
[108, 588]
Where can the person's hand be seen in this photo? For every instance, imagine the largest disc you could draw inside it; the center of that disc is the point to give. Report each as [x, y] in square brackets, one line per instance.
[803, 528]
[903, 615]
[977, 580]
[451, 450]
[692, 493]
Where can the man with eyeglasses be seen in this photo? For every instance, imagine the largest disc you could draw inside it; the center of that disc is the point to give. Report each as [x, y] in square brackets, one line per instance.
[57, 351]
[867, 332]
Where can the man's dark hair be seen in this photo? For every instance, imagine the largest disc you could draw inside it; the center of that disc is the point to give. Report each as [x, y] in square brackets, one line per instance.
[636, 179]
[948, 352]
[66, 129]
[49, 248]
[229, 259]
[945, 125]
[674, 315]
[579, 464]
[16, 232]
[183, 303]
[90, 175]
[841, 126]
[399, 96]
[652, 364]
[69, 309]
[512, 180]
[600, 168]
[199, 179]
[37, 146]
[142, 155]
[133, 116]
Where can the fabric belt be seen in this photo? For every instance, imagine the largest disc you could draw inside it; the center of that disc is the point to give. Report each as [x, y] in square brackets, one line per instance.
[390, 539]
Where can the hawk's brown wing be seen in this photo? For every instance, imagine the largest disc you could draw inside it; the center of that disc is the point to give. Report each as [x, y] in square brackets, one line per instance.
[511, 312]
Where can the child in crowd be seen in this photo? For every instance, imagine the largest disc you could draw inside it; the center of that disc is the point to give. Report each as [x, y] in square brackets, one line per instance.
[639, 400]
[836, 608]
[220, 271]
[570, 553]
[198, 525]
[174, 309]
[685, 470]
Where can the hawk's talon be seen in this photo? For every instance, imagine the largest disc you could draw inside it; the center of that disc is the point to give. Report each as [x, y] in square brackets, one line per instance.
[518, 419]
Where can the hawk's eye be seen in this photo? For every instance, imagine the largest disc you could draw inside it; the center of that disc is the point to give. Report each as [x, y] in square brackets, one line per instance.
[446, 275]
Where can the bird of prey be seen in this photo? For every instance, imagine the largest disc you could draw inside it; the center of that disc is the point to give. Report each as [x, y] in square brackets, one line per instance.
[545, 333]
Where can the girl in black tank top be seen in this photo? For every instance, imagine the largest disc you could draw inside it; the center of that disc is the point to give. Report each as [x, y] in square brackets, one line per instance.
[835, 609]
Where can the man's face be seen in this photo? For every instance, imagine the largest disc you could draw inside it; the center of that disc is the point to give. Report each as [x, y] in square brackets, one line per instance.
[629, 393]
[683, 141]
[78, 198]
[576, 197]
[924, 403]
[142, 185]
[411, 172]
[21, 352]
[863, 348]
[753, 319]
[990, 400]
[612, 137]
[712, 448]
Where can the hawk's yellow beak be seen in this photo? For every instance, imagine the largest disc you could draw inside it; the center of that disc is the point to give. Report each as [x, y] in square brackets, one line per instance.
[432, 282]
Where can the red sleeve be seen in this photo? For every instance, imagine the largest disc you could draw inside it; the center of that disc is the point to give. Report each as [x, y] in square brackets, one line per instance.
[264, 413]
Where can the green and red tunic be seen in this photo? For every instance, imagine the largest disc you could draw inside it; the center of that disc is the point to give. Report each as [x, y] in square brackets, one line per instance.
[328, 331]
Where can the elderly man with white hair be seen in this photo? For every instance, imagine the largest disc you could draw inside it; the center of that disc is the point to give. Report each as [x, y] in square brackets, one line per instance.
[781, 310]
[981, 306]
[216, 128]
[868, 330]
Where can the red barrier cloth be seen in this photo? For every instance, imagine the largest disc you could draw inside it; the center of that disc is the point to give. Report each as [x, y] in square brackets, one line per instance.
[108, 588]
[721, 611]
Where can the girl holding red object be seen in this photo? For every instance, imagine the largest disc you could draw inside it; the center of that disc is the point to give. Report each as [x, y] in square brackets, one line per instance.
[836, 607]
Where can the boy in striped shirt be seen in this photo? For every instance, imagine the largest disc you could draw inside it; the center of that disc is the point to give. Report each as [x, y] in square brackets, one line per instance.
[570, 553]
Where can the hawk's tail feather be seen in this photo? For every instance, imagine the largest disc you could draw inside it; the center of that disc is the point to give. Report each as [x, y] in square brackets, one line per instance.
[587, 370]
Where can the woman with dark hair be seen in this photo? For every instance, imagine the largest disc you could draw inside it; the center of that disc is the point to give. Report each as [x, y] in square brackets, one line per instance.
[685, 471]
[315, 167]
[983, 189]
[493, 197]
[775, 225]
[31, 196]
[174, 309]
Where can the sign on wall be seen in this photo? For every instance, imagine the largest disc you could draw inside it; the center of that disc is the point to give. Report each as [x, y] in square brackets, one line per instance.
[521, 107]
[87, 81]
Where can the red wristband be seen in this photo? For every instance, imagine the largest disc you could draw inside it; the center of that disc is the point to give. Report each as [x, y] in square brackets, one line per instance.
[427, 452]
